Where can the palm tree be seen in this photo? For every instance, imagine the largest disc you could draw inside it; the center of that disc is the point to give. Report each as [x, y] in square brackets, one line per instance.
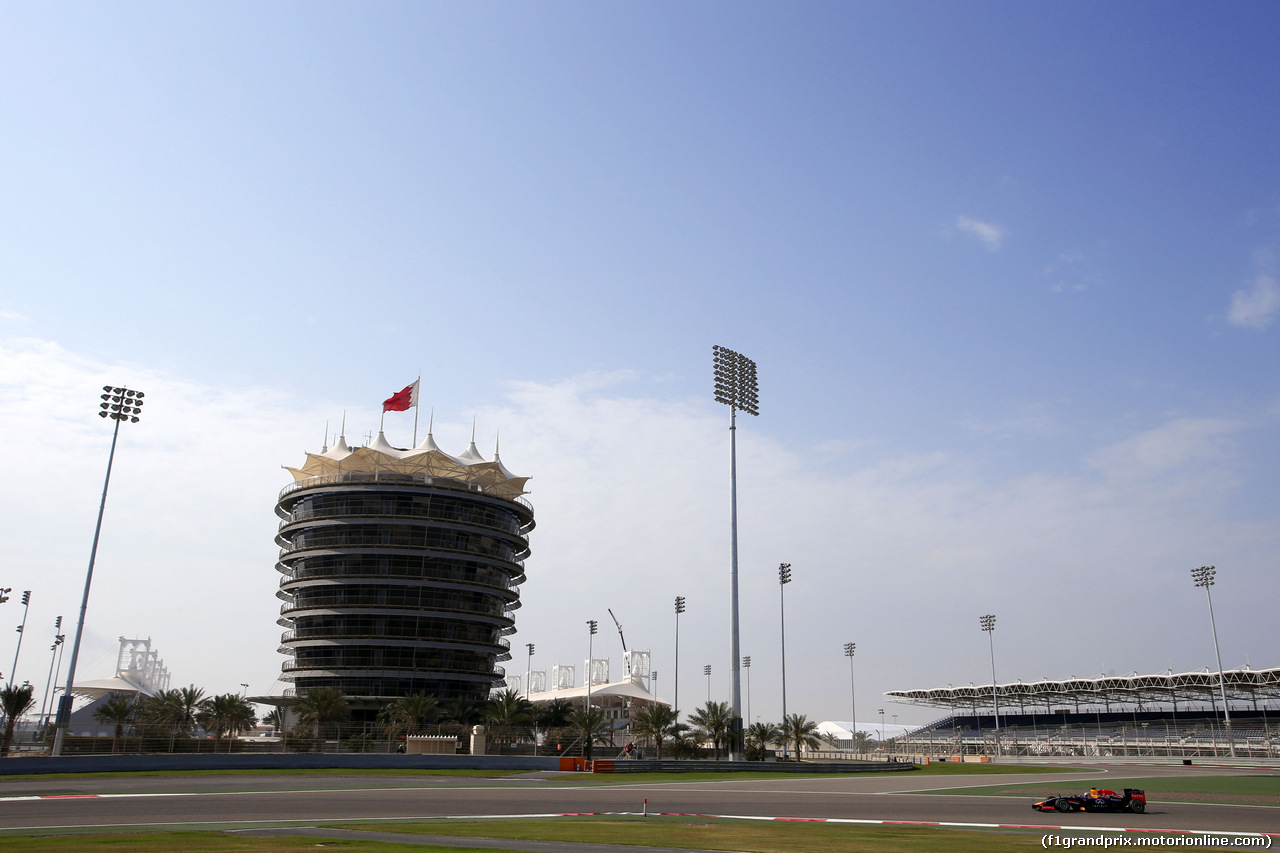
[463, 710]
[549, 717]
[409, 714]
[323, 705]
[800, 730]
[508, 711]
[861, 741]
[759, 736]
[168, 711]
[189, 699]
[117, 711]
[654, 721]
[14, 701]
[591, 726]
[275, 719]
[713, 722]
[684, 743]
[555, 714]
[228, 713]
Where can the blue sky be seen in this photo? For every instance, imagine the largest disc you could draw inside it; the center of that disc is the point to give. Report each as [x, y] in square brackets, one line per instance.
[1009, 272]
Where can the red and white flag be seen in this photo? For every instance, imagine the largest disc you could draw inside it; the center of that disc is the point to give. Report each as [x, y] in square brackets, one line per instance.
[402, 400]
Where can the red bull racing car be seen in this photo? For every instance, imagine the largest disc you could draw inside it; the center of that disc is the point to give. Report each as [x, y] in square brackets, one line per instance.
[1097, 800]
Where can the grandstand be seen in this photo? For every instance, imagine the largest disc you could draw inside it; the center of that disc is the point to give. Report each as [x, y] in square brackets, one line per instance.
[1165, 714]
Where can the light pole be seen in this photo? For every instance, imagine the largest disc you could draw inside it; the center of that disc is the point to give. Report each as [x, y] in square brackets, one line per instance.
[26, 607]
[591, 626]
[653, 683]
[590, 733]
[675, 700]
[58, 637]
[60, 642]
[988, 624]
[784, 578]
[1204, 577]
[881, 713]
[849, 649]
[118, 404]
[245, 692]
[736, 387]
[746, 664]
[706, 670]
[528, 670]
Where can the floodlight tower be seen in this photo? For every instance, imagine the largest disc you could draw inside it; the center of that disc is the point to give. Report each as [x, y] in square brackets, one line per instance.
[736, 387]
[58, 637]
[988, 624]
[784, 578]
[1203, 576]
[675, 703]
[118, 404]
[26, 608]
[849, 650]
[591, 627]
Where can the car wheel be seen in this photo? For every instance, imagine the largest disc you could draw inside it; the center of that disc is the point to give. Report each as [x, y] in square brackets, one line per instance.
[1137, 806]
[1062, 806]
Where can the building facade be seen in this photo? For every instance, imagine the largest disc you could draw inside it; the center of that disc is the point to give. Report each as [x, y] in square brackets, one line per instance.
[401, 571]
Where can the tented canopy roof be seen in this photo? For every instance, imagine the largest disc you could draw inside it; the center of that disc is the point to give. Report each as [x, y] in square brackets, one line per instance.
[426, 460]
[116, 685]
[626, 689]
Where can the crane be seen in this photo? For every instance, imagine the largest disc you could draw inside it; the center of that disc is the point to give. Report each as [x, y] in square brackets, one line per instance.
[626, 657]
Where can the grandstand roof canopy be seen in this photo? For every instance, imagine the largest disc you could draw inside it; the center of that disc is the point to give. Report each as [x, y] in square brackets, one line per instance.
[627, 689]
[1243, 686]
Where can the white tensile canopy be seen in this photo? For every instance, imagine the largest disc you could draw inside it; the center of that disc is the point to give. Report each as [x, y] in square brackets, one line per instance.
[425, 460]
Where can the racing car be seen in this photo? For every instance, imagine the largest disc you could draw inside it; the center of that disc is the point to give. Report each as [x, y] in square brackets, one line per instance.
[1097, 800]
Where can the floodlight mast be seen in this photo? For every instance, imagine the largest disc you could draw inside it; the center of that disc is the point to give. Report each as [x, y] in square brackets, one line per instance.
[736, 387]
[850, 649]
[1203, 576]
[118, 404]
[988, 624]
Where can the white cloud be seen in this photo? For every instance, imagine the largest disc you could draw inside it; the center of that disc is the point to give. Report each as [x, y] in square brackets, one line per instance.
[990, 235]
[1181, 445]
[13, 316]
[1255, 307]
[1070, 272]
[899, 553]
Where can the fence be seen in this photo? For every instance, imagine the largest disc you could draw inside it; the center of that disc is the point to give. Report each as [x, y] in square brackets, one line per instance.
[344, 738]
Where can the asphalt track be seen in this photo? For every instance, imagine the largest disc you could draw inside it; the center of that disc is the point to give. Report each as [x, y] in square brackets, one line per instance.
[265, 801]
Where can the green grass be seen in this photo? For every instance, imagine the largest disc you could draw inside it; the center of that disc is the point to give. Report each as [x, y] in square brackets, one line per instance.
[746, 836]
[723, 834]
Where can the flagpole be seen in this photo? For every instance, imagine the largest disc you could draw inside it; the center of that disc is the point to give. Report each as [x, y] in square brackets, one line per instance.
[415, 412]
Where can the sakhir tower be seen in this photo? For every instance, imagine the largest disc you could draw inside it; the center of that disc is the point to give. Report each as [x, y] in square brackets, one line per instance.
[401, 571]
